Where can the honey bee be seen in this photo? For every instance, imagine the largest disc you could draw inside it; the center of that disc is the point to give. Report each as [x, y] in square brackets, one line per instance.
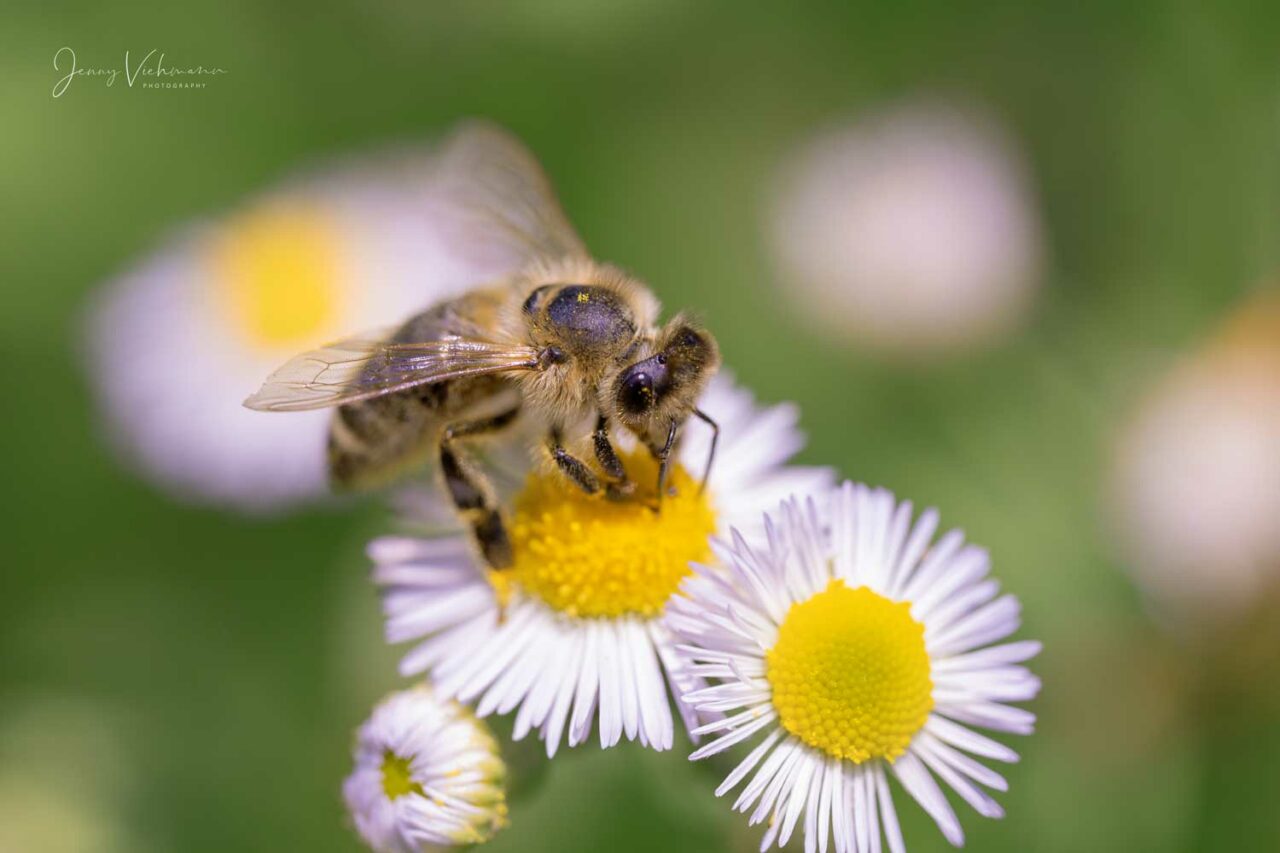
[570, 343]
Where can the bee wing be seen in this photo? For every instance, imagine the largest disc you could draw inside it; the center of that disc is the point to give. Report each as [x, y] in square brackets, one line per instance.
[498, 201]
[362, 367]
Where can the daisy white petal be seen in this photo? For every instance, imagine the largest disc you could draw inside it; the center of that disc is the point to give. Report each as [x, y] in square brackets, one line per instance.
[877, 661]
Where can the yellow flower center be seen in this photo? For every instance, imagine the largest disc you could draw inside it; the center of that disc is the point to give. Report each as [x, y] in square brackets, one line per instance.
[850, 674]
[588, 555]
[277, 270]
[397, 778]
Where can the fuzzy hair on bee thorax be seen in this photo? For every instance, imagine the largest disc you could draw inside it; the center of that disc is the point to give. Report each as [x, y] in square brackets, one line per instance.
[589, 319]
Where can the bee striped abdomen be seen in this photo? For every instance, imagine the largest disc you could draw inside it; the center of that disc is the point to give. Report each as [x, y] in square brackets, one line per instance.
[372, 441]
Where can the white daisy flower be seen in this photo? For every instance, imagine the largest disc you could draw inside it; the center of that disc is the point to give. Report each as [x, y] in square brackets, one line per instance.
[859, 651]
[912, 231]
[427, 773]
[176, 344]
[582, 634]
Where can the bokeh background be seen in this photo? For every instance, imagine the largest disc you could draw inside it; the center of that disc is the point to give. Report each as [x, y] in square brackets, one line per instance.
[177, 677]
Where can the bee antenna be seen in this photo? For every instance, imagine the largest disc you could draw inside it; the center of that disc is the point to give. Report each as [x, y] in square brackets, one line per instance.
[715, 439]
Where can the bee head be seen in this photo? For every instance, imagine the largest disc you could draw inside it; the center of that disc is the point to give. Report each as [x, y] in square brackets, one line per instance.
[665, 386]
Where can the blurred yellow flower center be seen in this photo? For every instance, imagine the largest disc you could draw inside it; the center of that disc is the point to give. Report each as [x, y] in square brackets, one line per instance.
[278, 268]
[850, 674]
[587, 555]
[397, 777]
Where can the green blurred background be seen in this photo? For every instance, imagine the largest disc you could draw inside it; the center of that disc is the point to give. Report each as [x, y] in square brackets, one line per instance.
[174, 678]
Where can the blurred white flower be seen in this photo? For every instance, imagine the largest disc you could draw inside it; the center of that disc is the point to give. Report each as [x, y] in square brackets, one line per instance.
[177, 343]
[911, 232]
[1196, 485]
[427, 773]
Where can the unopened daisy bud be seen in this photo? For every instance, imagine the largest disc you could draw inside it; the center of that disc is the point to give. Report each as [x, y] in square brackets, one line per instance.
[911, 232]
[427, 773]
[572, 631]
[858, 650]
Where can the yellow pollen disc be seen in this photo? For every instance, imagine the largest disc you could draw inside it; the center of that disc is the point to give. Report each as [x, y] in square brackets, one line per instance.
[277, 268]
[397, 777]
[588, 555]
[850, 674]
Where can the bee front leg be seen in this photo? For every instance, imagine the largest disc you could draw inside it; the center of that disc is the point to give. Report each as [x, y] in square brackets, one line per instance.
[664, 462]
[662, 454]
[619, 485]
[574, 468]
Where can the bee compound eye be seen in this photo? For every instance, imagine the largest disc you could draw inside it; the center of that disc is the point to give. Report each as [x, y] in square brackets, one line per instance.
[642, 385]
[636, 393]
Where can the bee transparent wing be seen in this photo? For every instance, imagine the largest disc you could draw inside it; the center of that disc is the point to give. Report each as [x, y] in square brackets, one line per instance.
[494, 204]
[498, 201]
[358, 368]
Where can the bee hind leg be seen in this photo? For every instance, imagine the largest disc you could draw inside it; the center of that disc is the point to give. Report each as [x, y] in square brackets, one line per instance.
[472, 494]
